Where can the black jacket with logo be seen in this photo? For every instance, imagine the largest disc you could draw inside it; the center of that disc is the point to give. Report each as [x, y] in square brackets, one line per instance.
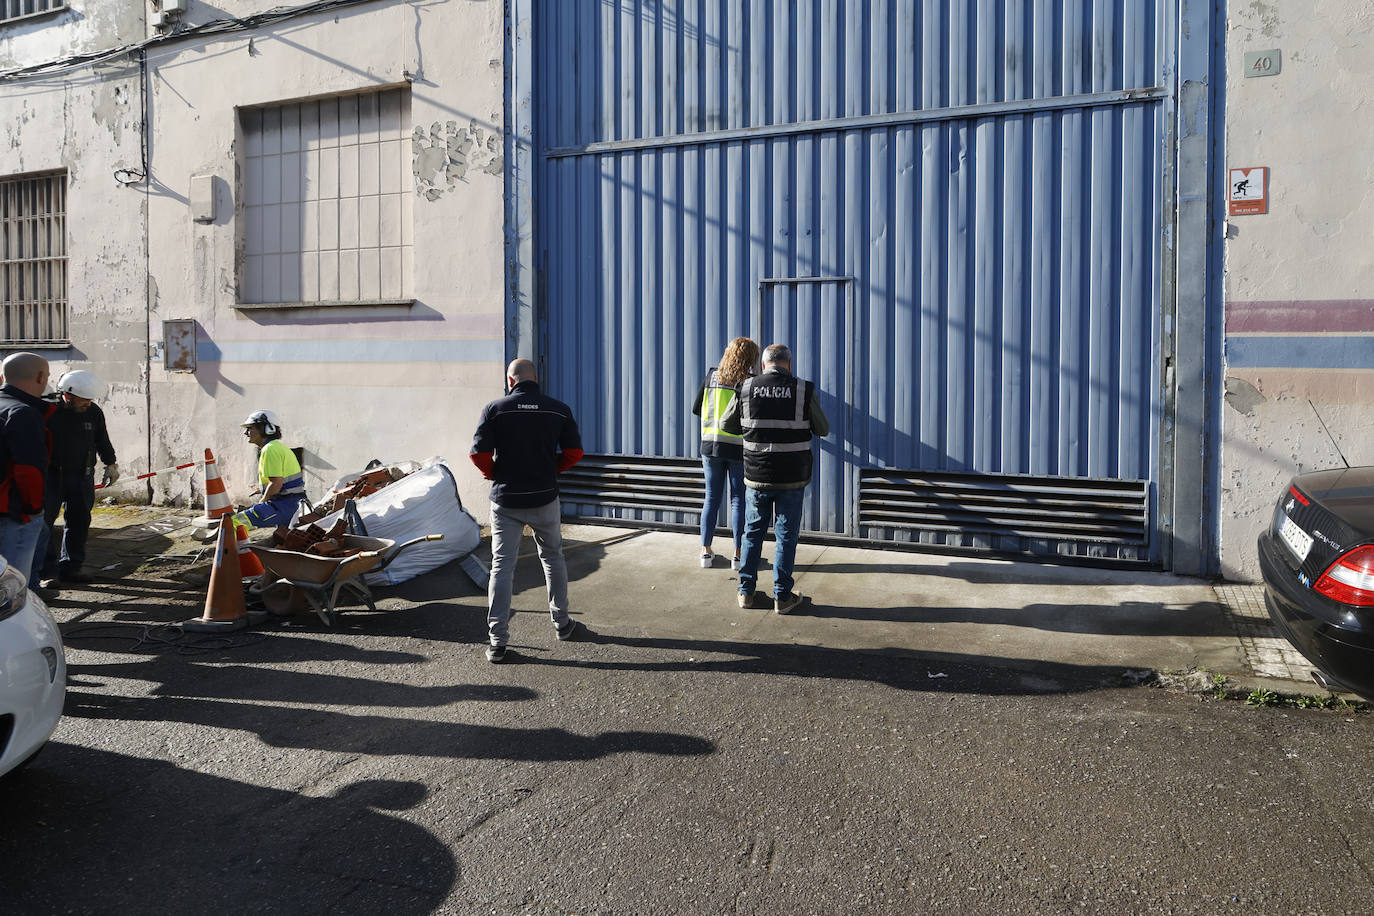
[523, 442]
[78, 437]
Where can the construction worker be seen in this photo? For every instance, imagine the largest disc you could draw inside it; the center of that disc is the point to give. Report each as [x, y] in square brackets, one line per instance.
[79, 436]
[281, 485]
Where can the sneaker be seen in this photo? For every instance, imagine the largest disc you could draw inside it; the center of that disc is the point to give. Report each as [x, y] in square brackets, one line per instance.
[496, 654]
[707, 558]
[48, 582]
[786, 604]
[734, 563]
[747, 600]
[568, 630]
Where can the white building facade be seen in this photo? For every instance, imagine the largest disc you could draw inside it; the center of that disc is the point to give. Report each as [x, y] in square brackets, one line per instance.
[301, 210]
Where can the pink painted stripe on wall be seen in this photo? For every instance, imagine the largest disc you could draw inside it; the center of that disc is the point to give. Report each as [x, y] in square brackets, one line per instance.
[1299, 316]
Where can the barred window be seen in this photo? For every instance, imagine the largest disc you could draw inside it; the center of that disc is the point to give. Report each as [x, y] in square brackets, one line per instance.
[326, 215]
[33, 258]
[21, 9]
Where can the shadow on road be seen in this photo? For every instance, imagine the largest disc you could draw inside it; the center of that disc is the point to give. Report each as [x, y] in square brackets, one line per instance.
[950, 672]
[316, 729]
[137, 836]
[1129, 618]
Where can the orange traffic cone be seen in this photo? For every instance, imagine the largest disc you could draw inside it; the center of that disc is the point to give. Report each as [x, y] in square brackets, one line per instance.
[216, 500]
[224, 605]
[249, 564]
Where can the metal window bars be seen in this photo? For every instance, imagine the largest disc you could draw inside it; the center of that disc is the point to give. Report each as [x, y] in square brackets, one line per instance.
[19, 9]
[33, 258]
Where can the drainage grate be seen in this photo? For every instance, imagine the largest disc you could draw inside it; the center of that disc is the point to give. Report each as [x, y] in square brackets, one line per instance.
[1055, 509]
[634, 482]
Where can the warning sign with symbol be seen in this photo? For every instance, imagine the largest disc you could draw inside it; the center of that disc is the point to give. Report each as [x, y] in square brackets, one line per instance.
[1249, 191]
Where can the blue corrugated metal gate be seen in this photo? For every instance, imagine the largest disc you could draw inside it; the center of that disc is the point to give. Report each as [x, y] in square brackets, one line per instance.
[953, 212]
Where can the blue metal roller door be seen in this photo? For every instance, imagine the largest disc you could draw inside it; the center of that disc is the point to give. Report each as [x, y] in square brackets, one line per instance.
[954, 215]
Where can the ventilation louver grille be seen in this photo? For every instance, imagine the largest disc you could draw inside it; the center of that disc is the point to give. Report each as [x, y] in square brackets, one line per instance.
[631, 482]
[1047, 516]
[1072, 509]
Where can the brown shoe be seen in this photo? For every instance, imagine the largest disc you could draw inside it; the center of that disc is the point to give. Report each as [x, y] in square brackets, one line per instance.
[749, 600]
[786, 604]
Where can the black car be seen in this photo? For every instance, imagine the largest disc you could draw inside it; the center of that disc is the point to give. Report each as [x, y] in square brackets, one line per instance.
[1317, 559]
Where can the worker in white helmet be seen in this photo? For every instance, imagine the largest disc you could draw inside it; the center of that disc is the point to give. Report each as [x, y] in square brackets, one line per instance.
[79, 437]
[281, 484]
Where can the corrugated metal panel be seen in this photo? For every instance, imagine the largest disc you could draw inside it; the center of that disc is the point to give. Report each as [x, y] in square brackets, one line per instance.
[970, 189]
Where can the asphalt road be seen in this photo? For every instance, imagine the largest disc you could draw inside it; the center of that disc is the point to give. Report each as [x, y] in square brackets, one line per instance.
[385, 766]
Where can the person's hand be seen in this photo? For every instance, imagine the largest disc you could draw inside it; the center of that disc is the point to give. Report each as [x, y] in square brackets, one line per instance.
[111, 475]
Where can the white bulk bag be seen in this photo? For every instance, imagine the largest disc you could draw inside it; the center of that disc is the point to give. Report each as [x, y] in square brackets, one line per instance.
[423, 502]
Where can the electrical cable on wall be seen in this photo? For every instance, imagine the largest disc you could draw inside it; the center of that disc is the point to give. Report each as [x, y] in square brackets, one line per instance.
[214, 27]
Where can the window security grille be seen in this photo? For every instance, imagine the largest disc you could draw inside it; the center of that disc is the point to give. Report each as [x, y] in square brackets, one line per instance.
[326, 217]
[33, 258]
[20, 9]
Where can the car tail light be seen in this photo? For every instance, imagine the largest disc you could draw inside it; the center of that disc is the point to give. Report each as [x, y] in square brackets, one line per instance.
[1350, 579]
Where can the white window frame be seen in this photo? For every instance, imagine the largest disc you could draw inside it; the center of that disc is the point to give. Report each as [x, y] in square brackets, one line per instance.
[325, 202]
[33, 259]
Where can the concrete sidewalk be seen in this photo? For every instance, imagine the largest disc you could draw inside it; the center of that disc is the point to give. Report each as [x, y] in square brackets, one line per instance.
[937, 607]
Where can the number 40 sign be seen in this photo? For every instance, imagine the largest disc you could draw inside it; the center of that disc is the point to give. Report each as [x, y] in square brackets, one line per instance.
[1263, 63]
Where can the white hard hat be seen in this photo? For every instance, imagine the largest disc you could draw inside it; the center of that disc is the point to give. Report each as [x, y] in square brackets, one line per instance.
[81, 383]
[264, 418]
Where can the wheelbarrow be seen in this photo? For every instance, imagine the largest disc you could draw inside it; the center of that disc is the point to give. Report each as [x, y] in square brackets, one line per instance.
[321, 580]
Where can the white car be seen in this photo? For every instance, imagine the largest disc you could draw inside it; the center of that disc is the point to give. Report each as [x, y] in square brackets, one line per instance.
[33, 671]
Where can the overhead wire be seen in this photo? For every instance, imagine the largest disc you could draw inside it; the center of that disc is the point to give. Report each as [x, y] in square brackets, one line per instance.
[226, 25]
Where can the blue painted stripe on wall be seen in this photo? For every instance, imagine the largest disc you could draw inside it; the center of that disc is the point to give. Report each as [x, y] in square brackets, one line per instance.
[352, 351]
[1300, 352]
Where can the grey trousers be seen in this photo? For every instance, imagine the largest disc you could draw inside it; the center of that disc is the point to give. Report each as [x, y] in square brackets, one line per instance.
[507, 526]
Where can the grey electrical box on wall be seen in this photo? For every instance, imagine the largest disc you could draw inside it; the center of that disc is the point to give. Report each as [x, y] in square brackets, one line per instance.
[203, 198]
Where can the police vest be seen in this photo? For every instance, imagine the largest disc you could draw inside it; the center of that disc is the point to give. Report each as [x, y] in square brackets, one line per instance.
[715, 441]
[777, 432]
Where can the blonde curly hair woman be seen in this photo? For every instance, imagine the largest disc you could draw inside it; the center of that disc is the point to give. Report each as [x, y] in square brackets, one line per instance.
[722, 454]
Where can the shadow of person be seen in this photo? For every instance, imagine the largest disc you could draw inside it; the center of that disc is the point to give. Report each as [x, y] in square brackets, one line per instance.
[241, 682]
[900, 669]
[138, 836]
[324, 730]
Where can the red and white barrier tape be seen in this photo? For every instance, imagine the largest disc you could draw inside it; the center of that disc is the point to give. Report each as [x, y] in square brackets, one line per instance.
[179, 467]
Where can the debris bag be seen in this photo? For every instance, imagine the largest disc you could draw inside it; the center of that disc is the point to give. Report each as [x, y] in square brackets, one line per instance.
[423, 502]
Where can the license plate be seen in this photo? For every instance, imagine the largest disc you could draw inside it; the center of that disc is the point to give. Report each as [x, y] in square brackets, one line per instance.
[1298, 541]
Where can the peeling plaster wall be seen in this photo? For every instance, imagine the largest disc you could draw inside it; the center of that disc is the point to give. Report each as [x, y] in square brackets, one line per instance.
[1299, 279]
[80, 29]
[88, 123]
[349, 383]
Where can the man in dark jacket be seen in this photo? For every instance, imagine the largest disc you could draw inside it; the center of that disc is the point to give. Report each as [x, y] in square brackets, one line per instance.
[777, 413]
[79, 436]
[23, 457]
[523, 442]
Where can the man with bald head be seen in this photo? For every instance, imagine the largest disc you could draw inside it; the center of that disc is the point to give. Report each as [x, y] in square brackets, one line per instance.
[23, 456]
[523, 442]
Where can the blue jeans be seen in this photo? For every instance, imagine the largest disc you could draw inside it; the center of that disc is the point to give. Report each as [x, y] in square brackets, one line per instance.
[718, 470]
[784, 509]
[18, 541]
